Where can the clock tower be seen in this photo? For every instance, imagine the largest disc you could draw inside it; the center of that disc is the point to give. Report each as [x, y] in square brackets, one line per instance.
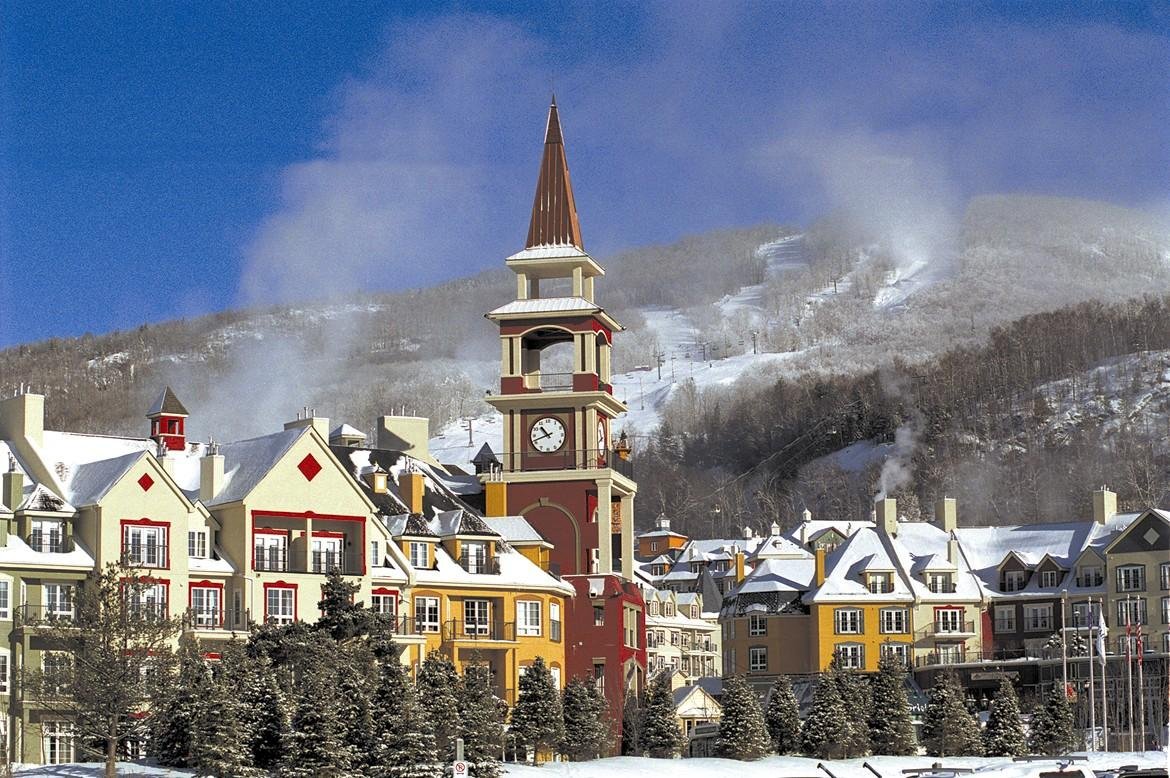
[559, 469]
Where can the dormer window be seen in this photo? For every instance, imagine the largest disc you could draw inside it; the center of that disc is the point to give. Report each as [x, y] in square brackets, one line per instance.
[879, 583]
[694, 611]
[1091, 575]
[420, 555]
[1049, 578]
[1013, 580]
[940, 583]
[473, 556]
[653, 608]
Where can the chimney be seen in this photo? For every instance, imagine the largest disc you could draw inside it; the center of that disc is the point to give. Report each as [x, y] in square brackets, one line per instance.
[410, 488]
[12, 493]
[308, 417]
[1104, 505]
[495, 498]
[747, 533]
[953, 550]
[946, 514]
[739, 560]
[210, 474]
[886, 515]
[408, 434]
[819, 567]
[23, 418]
[376, 479]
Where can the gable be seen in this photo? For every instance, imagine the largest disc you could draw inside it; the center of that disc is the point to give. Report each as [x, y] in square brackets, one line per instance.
[1148, 534]
[1012, 563]
[145, 490]
[1048, 563]
[308, 477]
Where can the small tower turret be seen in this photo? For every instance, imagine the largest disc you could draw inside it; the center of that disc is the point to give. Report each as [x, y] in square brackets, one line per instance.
[168, 421]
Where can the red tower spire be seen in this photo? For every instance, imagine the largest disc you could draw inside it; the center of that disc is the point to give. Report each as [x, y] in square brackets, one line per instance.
[554, 212]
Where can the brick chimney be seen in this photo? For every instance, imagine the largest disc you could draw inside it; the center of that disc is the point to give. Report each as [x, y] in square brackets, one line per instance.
[1104, 505]
[886, 515]
[946, 514]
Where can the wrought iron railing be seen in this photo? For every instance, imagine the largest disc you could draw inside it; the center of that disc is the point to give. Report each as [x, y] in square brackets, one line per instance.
[145, 554]
[949, 628]
[281, 560]
[478, 630]
[38, 615]
[485, 565]
[49, 542]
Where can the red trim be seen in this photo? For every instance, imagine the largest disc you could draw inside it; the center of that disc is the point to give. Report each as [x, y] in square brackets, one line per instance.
[146, 522]
[286, 533]
[382, 590]
[327, 533]
[206, 585]
[280, 585]
[214, 656]
[306, 515]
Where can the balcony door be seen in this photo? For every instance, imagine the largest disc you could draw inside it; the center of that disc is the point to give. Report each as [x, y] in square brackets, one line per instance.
[271, 552]
[476, 617]
[326, 554]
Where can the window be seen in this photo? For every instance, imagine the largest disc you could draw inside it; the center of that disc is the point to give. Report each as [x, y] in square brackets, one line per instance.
[426, 613]
[58, 600]
[474, 556]
[940, 583]
[384, 602]
[599, 676]
[880, 583]
[271, 551]
[1091, 575]
[894, 620]
[1084, 616]
[476, 617]
[420, 556]
[1166, 642]
[1037, 618]
[528, 617]
[555, 672]
[1164, 575]
[757, 625]
[668, 609]
[280, 604]
[847, 621]
[631, 627]
[948, 620]
[1005, 618]
[55, 669]
[206, 606]
[46, 536]
[375, 554]
[197, 544]
[148, 600]
[599, 615]
[758, 659]
[554, 621]
[57, 742]
[1166, 610]
[1131, 610]
[144, 545]
[4, 657]
[654, 607]
[899, 651]
[653, 545]
[1131, 578]
[694, 611]
[673, 638]
[326, 553]
[1049, 578]
[5, 601]
[1014, 580]
[852, 655]
[949, 653]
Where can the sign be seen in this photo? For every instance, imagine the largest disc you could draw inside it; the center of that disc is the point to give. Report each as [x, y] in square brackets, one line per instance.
[615, 517]
[995, 675]
[459, 769]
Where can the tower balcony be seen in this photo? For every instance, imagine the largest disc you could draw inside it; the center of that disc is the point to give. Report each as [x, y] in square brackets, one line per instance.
[568, 459]
[545, 383]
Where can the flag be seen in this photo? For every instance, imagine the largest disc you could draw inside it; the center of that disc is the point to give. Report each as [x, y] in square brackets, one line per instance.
[1102, 631]
[1140, 648]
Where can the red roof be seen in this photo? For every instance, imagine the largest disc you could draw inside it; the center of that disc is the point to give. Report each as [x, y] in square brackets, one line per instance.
[554, 212]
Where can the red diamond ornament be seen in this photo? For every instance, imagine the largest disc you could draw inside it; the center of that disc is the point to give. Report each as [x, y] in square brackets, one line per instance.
[146, 482]
[309, 467]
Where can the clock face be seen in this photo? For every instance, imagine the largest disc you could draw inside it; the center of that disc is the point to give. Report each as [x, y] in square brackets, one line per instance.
[548, 434]
[602, 446]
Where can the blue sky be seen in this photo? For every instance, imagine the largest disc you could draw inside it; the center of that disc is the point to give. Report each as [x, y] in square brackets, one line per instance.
[172, 159]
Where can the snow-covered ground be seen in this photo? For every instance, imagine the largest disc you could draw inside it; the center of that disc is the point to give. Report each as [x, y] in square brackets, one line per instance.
[797, 767]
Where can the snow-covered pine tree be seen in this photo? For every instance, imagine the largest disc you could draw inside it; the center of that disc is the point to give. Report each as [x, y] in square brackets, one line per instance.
[853, 686]
[783, 718]
[341, 616]
[175, 702]
[438, 694]
[481, 718]
[267, 713]
[661, 736]
[631, 744]
[742, 734]
[948, 728]
[315, 746]
[821, 734]
[356, 677]
[537, 718]
[1052, 725]
[1004, 735]
[220, 737]
[404, 745]
[586, 716]
[891, 729]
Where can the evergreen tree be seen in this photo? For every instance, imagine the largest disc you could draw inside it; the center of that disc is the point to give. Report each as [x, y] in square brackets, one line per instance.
[357, 671]
[948, 728]
[404, 746]
[341, 616]
[821, 735]
[891, 729]
[783, 718]
[1004, 735]
[631, 744]
[315, 746]
[438, 694]
[742, 734]
[537, 718]
[175, 702]
[855, 697]
[586, 716]
[221, 737]
[267, 714]
[661, 737]
[481, 717]
[1052, 725]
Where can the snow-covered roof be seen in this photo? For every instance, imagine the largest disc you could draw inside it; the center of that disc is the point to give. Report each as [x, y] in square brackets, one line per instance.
[246, 462]
[810, 529]
[546, 305]
[92, 480]
[42, 499]
[919, 539]
[346, 431]
[18, 553]
[515, 570]
[775, 546]
[514, 529]
[548, 252]
[845, 568]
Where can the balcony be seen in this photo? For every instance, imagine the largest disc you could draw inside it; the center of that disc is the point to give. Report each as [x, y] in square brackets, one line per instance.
[280, 560]
[1039, 624]
[948, 628]
[144, 554]
[460, 631]
[49, 543]
[480, 565]
[569, 459]
[971, 656]
[41, 615]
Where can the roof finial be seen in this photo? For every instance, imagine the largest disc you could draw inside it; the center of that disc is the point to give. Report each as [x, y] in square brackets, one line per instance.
[554, 210]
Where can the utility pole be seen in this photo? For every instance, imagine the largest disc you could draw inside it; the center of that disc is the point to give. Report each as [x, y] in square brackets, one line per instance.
[755, 342]
[659, 358]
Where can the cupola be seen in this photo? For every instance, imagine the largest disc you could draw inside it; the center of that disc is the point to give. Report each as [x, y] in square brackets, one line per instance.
[168, 421]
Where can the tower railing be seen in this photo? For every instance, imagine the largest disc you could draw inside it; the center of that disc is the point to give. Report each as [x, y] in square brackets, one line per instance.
[568, 459]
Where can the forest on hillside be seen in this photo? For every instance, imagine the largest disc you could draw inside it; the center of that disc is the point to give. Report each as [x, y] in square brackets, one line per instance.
[972, 423]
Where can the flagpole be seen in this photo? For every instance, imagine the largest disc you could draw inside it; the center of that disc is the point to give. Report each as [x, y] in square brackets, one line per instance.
[1129, 669]
[1092, 685]
[1141, 689]
[1101, 632]
[1064, 637]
